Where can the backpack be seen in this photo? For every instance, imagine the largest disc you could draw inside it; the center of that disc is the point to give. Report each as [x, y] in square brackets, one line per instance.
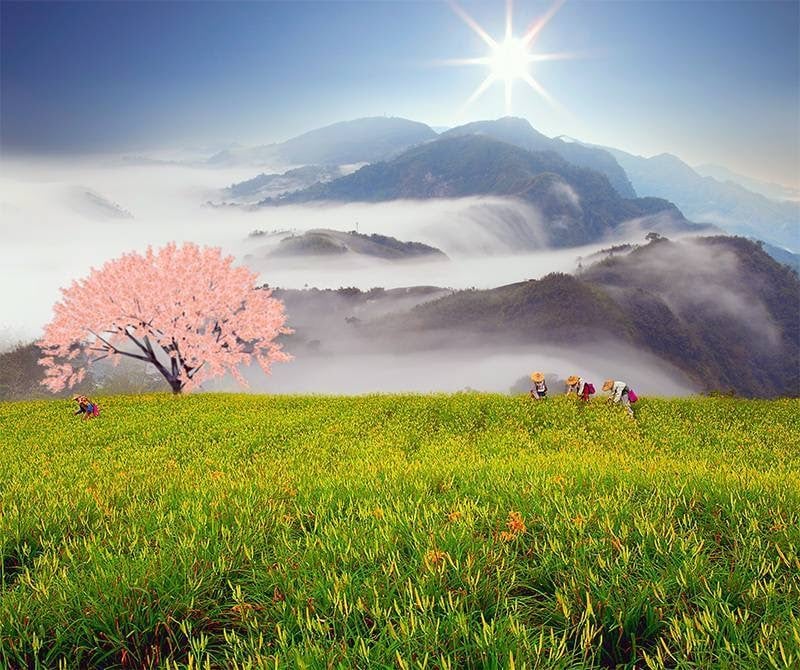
[632, 395]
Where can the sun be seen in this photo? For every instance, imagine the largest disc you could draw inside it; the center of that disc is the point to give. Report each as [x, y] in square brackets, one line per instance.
[510, 60]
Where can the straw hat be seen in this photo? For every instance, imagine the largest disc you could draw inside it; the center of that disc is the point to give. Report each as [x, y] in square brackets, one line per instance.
[608, 384]
[537, 377]
[572, 380]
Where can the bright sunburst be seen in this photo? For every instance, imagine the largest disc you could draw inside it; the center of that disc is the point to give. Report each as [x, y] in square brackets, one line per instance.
[509, 60]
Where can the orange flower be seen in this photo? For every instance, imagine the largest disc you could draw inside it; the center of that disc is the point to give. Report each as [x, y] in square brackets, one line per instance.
[454, 516]
[435, 557]
[515, 523]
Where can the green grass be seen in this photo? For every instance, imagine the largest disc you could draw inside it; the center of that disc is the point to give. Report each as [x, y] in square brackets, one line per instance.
[401, 532]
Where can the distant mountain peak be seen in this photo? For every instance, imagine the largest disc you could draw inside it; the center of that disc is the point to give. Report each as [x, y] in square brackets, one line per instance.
[519, 132]
[576, 204]
[364, 140]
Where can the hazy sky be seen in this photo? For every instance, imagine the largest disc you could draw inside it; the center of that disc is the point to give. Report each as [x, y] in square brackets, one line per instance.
[711, 82]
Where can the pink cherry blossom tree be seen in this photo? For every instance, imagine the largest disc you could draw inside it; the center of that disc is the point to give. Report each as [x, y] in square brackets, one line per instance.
[185, 310]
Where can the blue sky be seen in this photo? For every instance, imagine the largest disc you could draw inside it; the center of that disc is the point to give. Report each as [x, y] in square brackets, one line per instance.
[711, 82]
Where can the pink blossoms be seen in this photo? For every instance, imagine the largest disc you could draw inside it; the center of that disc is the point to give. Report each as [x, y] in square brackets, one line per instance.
[186, 310]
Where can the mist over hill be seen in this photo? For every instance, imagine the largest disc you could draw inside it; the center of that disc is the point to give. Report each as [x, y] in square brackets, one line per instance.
[717, 312]
[578, 205]
[358, 141]
[707, 200]
[322, 242]
[767, 189]
[273, 185]
[684, 316]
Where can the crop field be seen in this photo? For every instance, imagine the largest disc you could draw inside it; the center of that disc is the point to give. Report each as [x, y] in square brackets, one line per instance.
[444, 531]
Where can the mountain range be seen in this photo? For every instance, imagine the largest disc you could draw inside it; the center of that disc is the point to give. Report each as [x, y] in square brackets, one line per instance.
[767, 189]
[707, 200]
[709, 195]
[577, 204]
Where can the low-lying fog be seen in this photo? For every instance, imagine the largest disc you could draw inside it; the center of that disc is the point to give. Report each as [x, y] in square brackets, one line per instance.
[460, 369]
[58, 218]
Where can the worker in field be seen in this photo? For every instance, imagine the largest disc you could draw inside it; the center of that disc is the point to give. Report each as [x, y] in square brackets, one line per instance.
[620, 394]
[539, 388]
[86, 407]
[580, 387]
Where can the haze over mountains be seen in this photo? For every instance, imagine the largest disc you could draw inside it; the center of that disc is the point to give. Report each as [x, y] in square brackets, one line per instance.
[701, 199]
[358, 141]
[408, 219]
[327, 243]
[777, 192]
[707, 200]
[578, 205]
[717, 311]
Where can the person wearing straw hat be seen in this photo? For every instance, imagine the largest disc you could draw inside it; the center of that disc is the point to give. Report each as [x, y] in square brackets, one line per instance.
[620, 394]
[539, 388]
[86, 407]
[580, 386]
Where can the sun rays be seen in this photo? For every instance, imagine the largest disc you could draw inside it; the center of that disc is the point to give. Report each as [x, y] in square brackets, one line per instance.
[509, 60]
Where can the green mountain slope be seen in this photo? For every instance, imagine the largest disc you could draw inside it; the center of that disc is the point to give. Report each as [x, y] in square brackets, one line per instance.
[578, 204]
[719, 308]
[519, 132]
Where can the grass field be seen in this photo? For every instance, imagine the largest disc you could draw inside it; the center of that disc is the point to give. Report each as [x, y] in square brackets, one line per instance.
[401, 532]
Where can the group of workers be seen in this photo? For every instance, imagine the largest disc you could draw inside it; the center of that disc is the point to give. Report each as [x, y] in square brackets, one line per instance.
[620, 392]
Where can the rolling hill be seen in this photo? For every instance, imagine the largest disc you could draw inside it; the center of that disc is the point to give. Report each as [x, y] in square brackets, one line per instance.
[718, 308]
[325, 242]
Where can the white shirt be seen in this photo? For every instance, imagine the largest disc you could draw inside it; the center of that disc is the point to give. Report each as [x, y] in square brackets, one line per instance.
[617, 390]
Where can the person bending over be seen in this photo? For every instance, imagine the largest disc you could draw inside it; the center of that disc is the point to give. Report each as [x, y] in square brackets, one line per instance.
[580, 387]
[86, 407]
[620, 394]
[539, 388]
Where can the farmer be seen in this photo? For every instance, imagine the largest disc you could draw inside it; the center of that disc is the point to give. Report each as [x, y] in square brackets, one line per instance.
[581, 387]
[620, 394]
[86, 407]
[539, 388]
